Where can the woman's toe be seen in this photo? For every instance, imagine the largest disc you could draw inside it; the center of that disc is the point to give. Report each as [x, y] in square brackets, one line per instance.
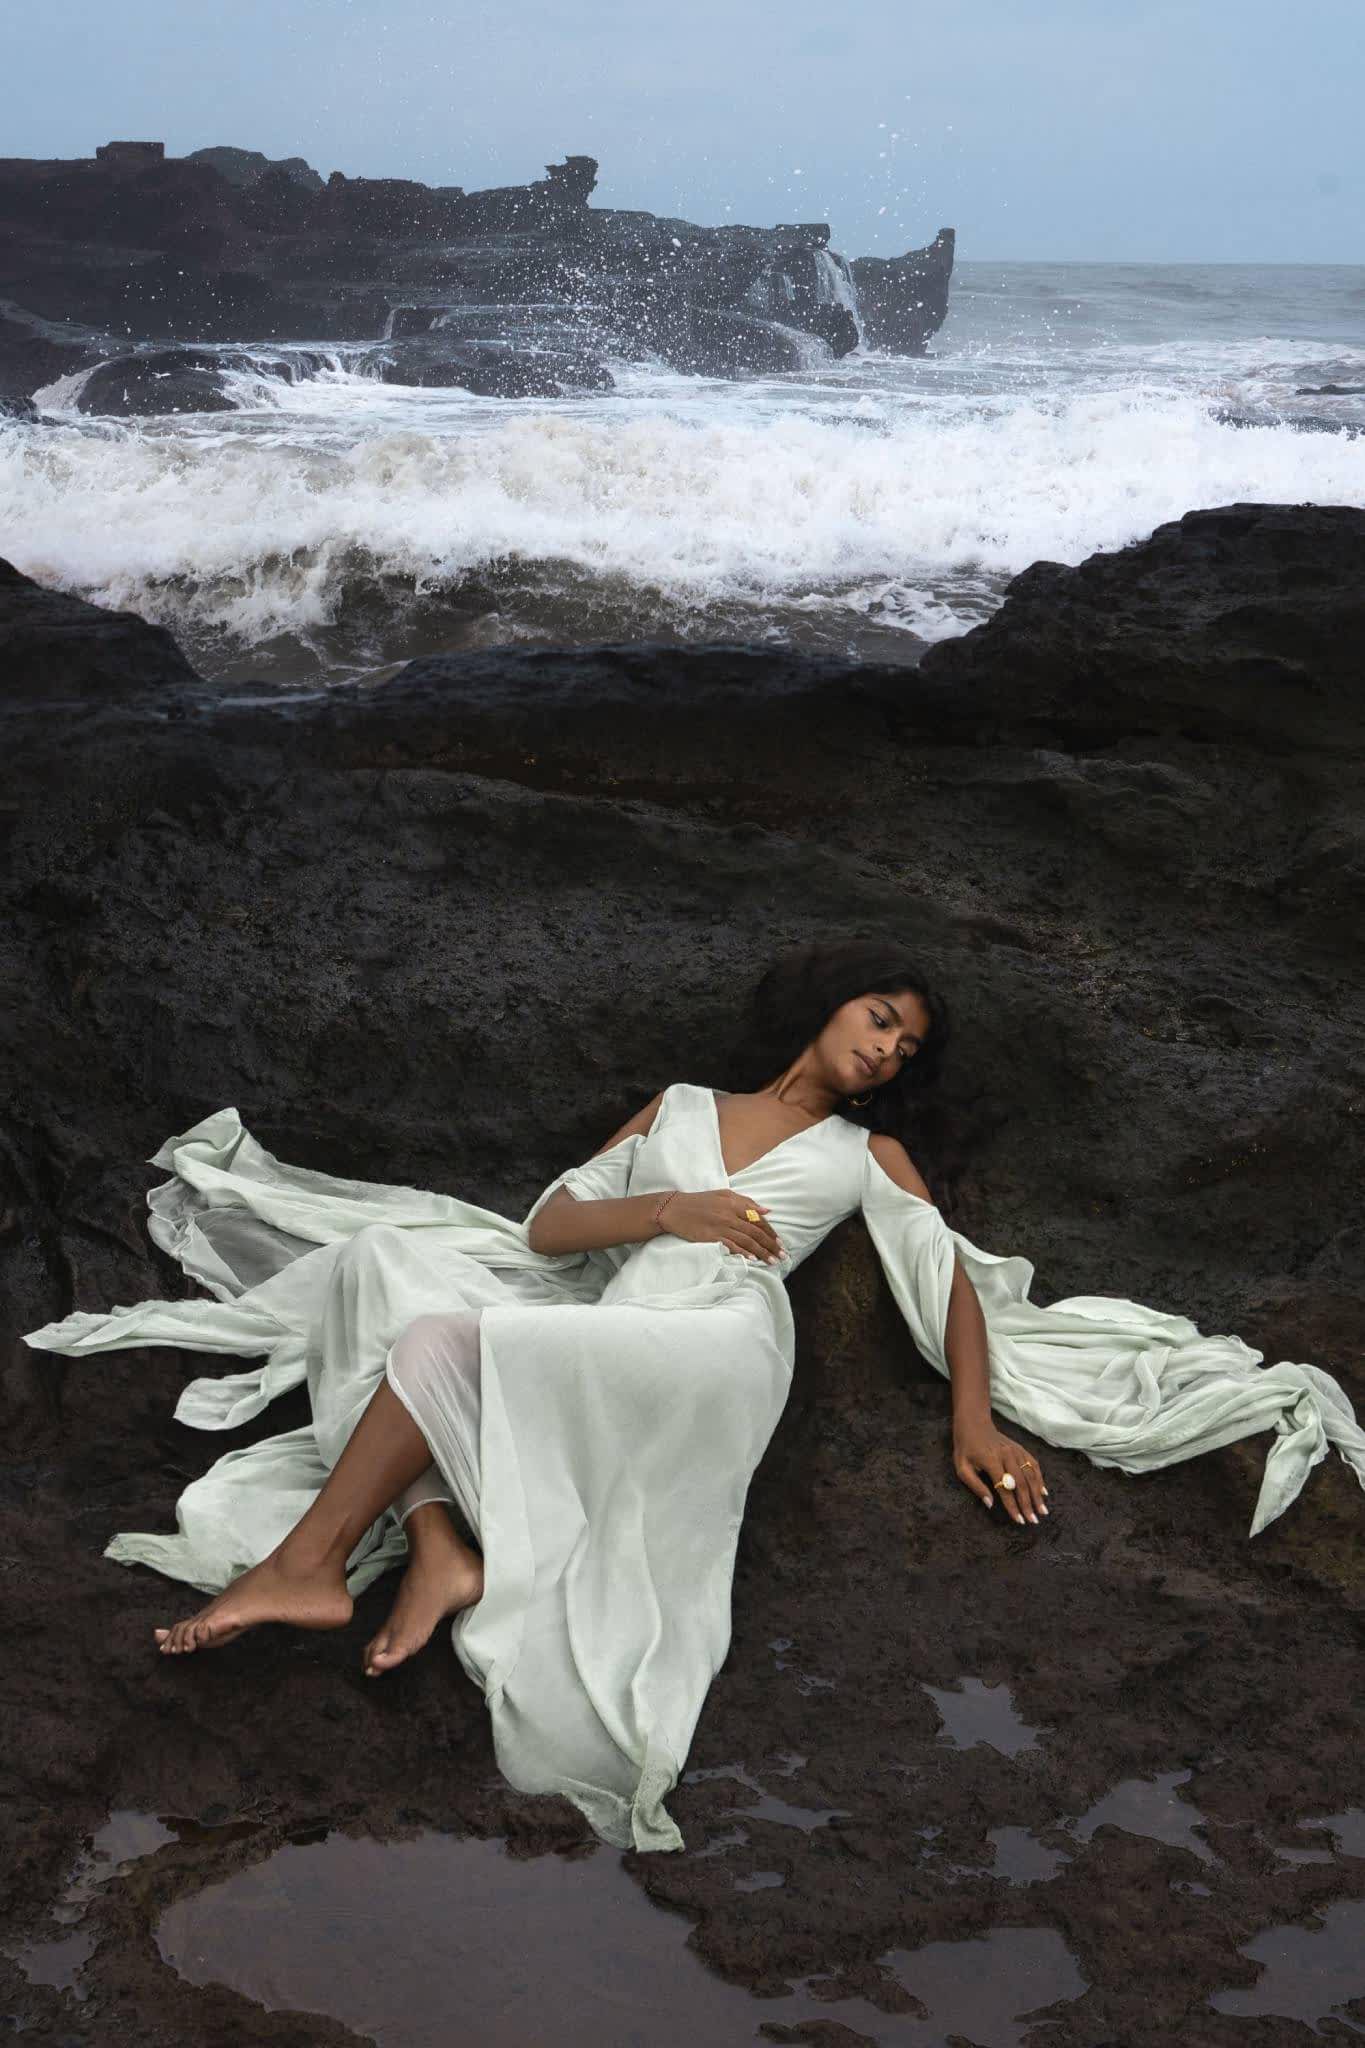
[384, 1653]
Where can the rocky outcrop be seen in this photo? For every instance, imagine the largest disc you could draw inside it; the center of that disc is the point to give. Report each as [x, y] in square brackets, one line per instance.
[1237, 626]
[226, 246]
[246, 167]
[904, 299]
[36, 352]
[154, 381]
[57, 652]
[151, 382]
[449, 930]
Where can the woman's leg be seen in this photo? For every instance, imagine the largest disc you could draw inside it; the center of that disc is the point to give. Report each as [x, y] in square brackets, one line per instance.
[435, 1370]
[427, 1486]
[303, 1581]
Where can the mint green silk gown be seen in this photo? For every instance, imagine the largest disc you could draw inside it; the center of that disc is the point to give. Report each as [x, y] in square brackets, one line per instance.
[627, 1395]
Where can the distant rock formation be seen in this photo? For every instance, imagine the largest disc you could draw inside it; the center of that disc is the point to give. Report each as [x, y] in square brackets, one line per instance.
[131, 248]
[130, 156]
[247, 166]
[903, 298]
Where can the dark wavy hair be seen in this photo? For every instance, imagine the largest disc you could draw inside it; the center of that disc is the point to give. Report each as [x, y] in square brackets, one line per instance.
[798, 994]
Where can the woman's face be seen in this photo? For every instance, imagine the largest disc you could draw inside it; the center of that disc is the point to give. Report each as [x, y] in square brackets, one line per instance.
[868, 1041]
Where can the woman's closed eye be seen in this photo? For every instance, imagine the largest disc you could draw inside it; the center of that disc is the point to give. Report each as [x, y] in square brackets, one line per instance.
[882, 1023]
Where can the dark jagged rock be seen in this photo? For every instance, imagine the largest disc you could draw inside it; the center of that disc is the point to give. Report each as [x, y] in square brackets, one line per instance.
[247, 167]
[1240, 624]
[226, 246]
[735, 344]
[34, 353]
[449, 930]
[904, 299]
[157, 381]
[56, 649]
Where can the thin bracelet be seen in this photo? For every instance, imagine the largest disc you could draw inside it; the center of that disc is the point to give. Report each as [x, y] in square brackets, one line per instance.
[662, 1206]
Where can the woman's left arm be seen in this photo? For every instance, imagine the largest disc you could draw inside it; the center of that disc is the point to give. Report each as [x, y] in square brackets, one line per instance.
[981, 1453]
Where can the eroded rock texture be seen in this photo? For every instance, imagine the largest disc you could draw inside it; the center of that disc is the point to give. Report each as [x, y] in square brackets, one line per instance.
[451, 930]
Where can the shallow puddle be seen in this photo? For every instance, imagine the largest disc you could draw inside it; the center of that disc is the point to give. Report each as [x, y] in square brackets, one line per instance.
[445, 1943]
[1309, 1973]
[1140, 1806]
[124, 1838]
[977, 1712]
[1022, 1858]
[767, 1806]
[436, 1943]
[1148, 1806]
[1347, 1831]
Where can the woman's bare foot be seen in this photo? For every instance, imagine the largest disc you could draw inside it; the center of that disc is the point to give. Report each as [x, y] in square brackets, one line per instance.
[274, 1590]
[443, 1577]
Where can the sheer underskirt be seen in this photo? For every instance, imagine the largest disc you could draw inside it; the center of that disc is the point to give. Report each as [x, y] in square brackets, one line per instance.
[433, 1366]
[434, 1370]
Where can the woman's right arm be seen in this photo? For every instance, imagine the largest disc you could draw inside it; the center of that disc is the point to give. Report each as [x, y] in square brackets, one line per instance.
[567, 1225]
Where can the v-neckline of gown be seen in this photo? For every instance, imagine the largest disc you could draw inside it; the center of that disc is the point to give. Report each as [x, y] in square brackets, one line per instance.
[742, 1170]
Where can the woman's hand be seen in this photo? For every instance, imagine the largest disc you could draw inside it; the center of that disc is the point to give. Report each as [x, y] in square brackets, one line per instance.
[718, 1216]
[981, 1455]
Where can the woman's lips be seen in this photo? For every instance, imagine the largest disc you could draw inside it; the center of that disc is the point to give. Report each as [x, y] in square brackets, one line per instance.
[867, 1065]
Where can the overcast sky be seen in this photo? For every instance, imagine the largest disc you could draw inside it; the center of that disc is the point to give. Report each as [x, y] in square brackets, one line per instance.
[1204, 130]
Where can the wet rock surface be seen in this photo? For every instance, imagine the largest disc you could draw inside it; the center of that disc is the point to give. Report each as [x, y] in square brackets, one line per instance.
[450, 930]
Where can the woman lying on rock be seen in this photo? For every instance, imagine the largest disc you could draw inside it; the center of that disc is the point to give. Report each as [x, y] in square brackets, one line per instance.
[555, 1422]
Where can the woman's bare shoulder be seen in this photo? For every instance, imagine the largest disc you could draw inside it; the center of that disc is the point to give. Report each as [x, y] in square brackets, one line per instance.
[896, 1162]
[638, 1125]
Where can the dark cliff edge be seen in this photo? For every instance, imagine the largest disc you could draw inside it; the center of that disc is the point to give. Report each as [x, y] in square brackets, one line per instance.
[524, 288]
[449, 930]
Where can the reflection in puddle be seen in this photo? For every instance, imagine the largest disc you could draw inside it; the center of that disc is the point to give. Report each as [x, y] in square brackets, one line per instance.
[1148, 1807]
[124, 1838]
[788, 1816]
[432, 1941]
[760, 1881]
[734, 1838]
[811, 1681]
[1346, 1829]
[806, 1681]
[1139, 1806]
[767, 1806]
[978, 1712]
[1309, 1971]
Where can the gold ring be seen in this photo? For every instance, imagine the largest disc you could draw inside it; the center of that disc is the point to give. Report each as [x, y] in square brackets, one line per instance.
[1007, 1481]
[751, 1216]
[1031, 1466]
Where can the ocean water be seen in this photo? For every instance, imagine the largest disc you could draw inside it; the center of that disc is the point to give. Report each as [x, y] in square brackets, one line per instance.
[332, 525]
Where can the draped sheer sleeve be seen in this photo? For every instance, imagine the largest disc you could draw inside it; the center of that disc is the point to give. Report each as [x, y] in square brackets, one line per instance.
[1130, 1386]
[260, 1236]
[605, 1177]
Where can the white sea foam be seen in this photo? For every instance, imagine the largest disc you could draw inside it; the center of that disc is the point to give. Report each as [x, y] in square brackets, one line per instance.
[835, 287]
[835, 503]
[257, 533]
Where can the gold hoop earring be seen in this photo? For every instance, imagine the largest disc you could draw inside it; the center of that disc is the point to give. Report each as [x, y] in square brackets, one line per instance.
[861, 1099]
